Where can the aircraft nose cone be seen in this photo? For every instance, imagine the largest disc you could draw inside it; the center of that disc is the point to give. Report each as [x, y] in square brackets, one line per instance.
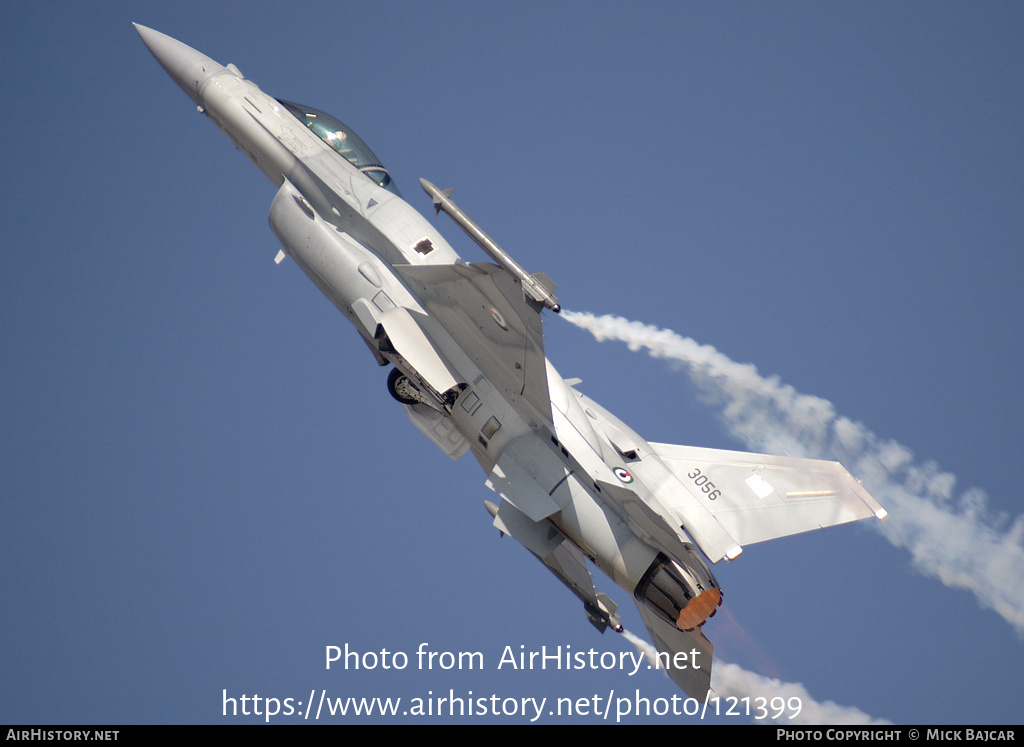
[189, 69]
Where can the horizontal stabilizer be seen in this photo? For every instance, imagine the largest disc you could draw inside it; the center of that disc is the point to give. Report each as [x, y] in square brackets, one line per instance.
[757, 497]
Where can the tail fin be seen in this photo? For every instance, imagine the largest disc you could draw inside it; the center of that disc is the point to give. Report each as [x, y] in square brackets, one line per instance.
[758, 497]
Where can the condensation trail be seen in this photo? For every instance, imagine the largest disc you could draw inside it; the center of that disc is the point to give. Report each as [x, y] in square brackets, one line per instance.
[732, 680]
[952, 538]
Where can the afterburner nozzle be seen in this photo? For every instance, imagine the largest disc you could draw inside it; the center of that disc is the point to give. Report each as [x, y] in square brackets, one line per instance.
[699, 609]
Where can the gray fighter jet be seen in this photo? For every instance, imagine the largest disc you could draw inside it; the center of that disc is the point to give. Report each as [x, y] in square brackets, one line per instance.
[465, 343]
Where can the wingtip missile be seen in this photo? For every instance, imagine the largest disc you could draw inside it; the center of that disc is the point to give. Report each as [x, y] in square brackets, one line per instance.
[537, 286]
[431, 190]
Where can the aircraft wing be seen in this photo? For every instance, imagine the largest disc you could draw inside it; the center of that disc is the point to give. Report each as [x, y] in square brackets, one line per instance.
[484, 310]
[757, 497]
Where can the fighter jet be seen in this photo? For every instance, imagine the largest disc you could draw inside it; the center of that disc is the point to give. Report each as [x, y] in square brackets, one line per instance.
[464, 341]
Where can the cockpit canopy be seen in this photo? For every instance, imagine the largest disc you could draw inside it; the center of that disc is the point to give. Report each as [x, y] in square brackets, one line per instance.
[343, 139]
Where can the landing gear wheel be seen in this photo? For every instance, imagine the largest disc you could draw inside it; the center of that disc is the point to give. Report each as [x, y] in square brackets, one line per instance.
[402, 388]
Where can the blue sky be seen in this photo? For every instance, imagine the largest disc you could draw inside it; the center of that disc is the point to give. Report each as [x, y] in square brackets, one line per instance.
[203, 482]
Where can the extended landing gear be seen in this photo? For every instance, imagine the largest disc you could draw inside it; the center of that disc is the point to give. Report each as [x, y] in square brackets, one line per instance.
[402, 388]
[405, 391]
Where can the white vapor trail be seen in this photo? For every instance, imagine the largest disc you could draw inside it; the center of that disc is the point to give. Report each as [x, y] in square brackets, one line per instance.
[732, 680]
[650, 652]
[954, 539]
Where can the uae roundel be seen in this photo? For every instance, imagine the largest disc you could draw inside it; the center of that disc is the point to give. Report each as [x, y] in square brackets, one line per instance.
[623, 475]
